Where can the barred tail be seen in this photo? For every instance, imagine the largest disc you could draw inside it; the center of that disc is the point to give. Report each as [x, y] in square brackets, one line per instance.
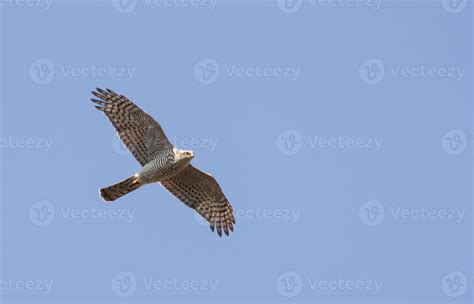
[113, 192]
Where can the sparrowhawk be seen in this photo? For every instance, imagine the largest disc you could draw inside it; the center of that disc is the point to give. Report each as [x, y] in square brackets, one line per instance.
[162, 163]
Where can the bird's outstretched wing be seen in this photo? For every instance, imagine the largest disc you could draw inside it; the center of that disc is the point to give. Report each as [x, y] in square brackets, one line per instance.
[142, 135]
[201, 192]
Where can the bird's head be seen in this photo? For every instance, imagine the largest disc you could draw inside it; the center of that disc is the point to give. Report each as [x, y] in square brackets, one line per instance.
[184, 155]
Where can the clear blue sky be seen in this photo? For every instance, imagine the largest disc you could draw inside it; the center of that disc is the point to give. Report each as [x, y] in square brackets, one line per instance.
[340, 133]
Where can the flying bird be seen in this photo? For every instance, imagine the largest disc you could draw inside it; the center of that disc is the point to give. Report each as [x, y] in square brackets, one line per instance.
[161, 163]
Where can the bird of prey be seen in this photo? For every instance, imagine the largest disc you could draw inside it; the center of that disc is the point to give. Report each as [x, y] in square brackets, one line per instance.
[161, 163]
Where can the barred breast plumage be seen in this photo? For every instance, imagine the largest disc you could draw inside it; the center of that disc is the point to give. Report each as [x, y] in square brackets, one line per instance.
[165, 165]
